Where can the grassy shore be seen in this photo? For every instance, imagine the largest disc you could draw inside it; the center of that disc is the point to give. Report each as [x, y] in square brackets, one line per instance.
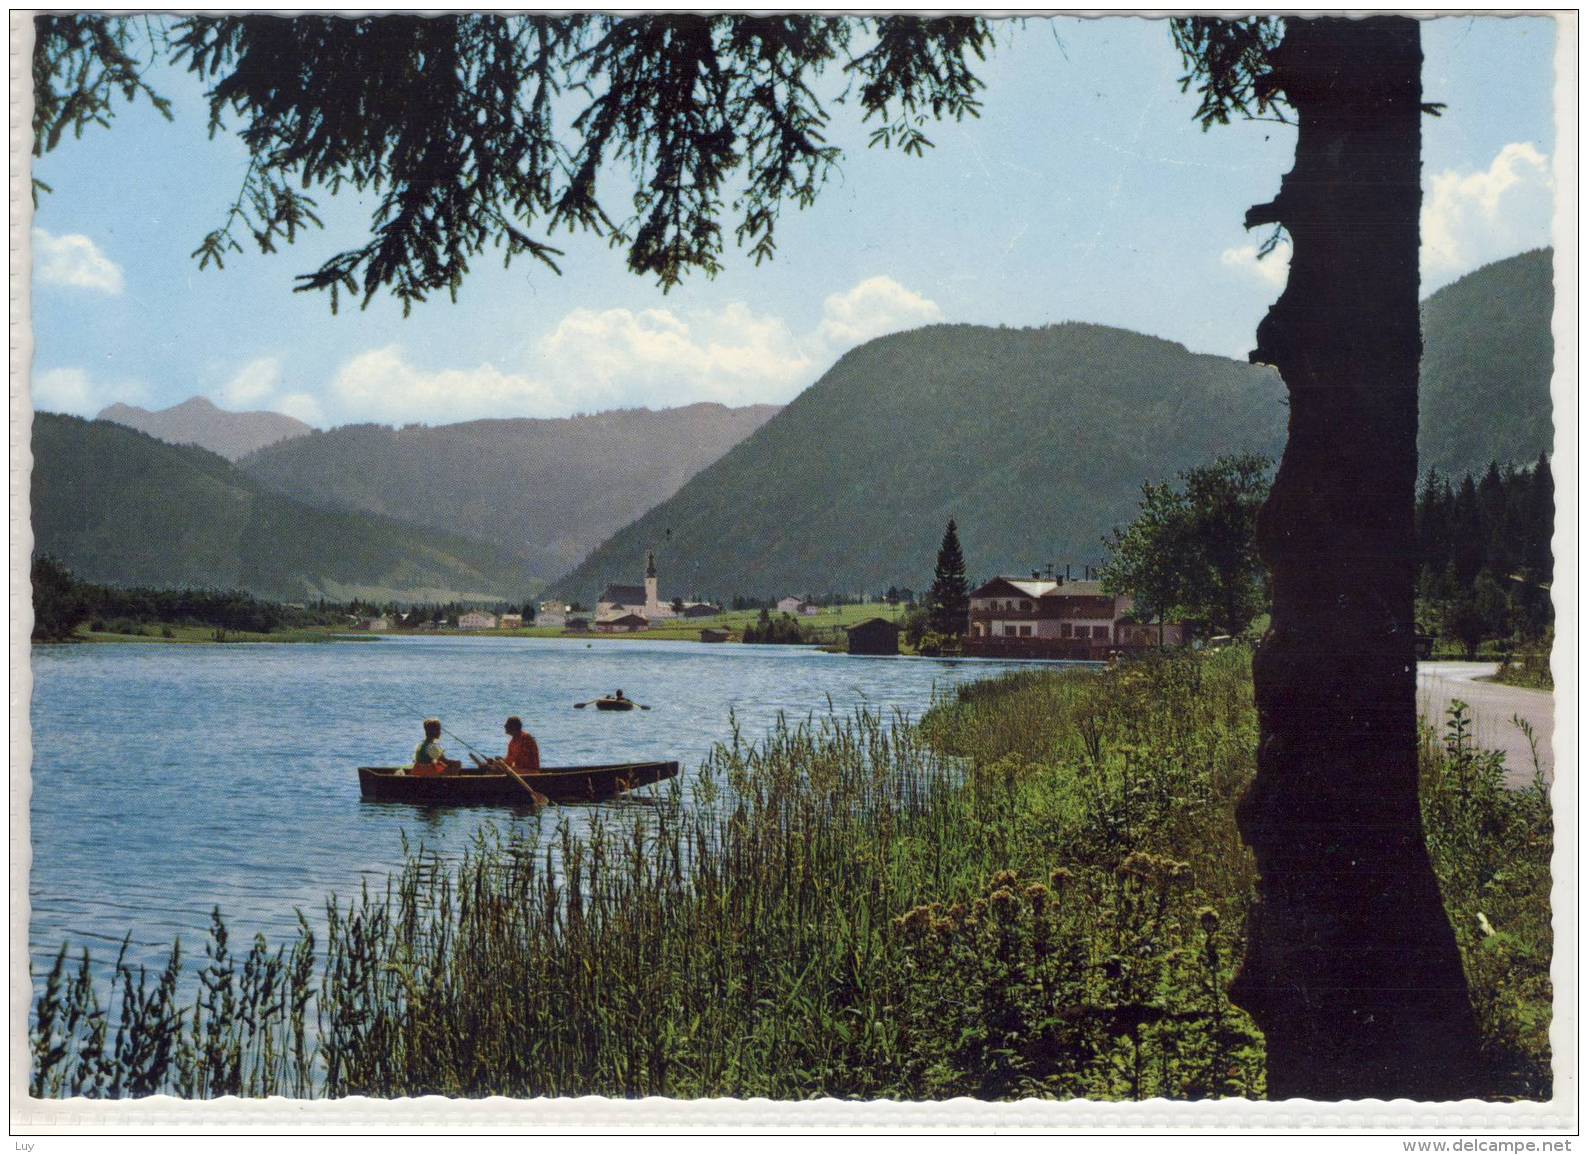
[830, 624]
[1038, 891]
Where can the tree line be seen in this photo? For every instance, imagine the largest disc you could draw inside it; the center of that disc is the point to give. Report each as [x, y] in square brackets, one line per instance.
[62, 604]
[1485, 562]
[1483, 552]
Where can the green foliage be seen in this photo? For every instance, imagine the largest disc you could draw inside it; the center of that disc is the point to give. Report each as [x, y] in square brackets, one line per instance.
[1486, 560]
[81, 63]
[782, 630]
[948, 601]
[1192, 553]
[59, 605]
[121, 508]
[1228, 61]
[1152, 557]
[1491, 850]
[1530, 668]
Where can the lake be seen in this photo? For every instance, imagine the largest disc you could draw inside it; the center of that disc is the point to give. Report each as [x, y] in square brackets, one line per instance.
[168, 779]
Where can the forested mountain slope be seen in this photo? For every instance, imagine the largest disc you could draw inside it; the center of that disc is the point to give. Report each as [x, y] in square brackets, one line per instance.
[122, 508]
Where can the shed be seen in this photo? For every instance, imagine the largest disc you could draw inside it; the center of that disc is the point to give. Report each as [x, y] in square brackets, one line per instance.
[874, 636]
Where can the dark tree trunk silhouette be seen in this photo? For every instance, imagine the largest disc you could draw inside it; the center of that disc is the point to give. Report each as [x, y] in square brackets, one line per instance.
[1352, 969]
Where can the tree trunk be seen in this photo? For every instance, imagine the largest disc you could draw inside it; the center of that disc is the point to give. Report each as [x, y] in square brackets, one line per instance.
[1352, 970]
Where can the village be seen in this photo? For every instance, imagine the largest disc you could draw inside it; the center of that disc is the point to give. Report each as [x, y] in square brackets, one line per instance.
[1043, 615]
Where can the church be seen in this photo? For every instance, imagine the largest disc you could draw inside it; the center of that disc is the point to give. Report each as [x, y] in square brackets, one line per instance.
[620, 600]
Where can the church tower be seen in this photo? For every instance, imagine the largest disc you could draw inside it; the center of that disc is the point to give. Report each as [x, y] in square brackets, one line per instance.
[653, 604]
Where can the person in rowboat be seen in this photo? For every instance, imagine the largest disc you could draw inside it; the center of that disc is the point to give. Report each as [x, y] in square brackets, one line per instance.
[523, 754]
[430, 759]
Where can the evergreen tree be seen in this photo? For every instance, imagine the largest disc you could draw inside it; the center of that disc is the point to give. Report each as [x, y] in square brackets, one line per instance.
[59, 606]
[948, 603]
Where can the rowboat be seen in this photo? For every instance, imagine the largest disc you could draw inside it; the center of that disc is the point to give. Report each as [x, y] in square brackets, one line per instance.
[614, 704]
[490, 788]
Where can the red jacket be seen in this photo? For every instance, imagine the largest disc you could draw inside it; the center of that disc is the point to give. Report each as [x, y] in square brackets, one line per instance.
[522, 753]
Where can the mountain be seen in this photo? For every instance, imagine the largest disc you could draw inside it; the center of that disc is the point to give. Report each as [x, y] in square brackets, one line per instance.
[1487, 360]
[122, 508]
[546, 490]
[1038, 441]
[198, 421]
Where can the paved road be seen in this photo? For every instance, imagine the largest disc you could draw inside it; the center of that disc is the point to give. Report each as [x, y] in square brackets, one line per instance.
[1492, 707]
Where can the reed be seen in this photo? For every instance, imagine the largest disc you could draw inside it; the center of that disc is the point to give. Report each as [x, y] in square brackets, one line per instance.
[1037, 890]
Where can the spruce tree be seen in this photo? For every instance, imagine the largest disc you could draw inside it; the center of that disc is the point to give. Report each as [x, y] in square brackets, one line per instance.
[949, 601]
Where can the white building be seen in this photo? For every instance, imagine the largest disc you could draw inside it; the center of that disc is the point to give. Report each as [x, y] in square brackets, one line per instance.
[476, 620]
[793, 605]
[645, 601]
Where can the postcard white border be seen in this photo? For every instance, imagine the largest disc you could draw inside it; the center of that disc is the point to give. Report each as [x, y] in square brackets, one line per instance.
[164, 1115]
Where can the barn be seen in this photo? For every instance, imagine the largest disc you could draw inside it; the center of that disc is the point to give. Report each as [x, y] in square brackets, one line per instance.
[874, 636]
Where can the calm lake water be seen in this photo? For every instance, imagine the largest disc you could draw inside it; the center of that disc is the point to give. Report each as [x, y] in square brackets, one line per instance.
[168, 780]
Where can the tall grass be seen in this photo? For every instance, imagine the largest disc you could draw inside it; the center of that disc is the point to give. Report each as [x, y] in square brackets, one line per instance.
[1037, 891]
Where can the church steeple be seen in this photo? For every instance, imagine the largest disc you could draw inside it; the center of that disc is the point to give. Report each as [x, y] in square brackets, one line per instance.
[653, 599]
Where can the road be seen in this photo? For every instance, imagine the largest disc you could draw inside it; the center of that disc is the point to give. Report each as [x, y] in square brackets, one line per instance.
[1492, 707]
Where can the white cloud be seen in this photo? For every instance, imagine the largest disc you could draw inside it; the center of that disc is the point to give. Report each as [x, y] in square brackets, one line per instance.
[875, 306]
[72, 390]
[1472, 218]
[304, 406]
[253, 384]
[594, 359]
[381, 385]
[1272, 270]
[64, 391]
[597, 359]
[75, 261]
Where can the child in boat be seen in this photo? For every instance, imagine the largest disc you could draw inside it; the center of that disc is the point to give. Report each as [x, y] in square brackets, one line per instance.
[523, 754]
[430, 759]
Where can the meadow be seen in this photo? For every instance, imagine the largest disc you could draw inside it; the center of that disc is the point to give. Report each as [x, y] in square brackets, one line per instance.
[1038, 890]
[829, 624]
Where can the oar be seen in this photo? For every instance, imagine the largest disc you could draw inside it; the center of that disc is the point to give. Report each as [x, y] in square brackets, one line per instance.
[503, 764]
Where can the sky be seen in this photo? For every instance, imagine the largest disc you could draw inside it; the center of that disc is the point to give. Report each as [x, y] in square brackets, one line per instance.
[1084, 192]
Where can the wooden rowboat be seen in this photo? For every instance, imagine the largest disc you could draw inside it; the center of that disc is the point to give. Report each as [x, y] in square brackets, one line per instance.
[614, 704]
[565, 784]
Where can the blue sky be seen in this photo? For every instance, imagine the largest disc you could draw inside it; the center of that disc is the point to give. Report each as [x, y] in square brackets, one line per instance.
[1084, 192]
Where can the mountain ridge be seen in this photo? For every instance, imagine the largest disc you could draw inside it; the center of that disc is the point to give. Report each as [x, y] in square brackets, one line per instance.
[848, 488]
[199, 421]
[546, 489]
[121, 507]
